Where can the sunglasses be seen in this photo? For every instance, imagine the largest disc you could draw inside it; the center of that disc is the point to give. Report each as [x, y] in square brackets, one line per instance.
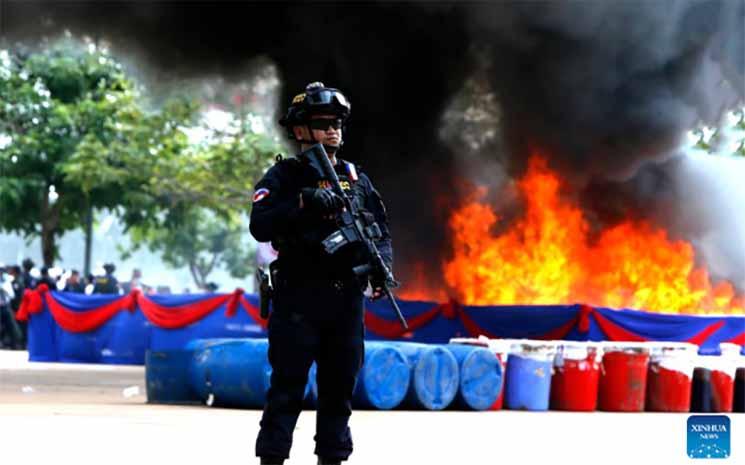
[322, 124]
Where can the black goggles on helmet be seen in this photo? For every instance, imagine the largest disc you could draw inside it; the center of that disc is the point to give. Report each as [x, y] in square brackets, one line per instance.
[327, 96]
[323, 124]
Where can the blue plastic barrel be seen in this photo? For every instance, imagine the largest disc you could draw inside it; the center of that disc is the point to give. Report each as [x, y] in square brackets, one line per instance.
[166, 377]
[528, 385]
[434, 375]
[480, 377]
[384, 379]
[236, 373]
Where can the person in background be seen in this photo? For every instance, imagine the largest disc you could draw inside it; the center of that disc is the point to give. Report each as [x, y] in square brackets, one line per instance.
[5, 311]
[29, 282]
[26, 281]
[107, 284]
[47, 279]
[135, 283]
[90, 283]
[74, 284]
[11, 336]
[17, 284]
[211, 287]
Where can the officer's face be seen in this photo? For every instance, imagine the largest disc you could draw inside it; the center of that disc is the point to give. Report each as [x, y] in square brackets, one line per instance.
[330, 136]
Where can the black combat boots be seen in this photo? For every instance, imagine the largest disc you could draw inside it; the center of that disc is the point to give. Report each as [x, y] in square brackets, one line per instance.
[323, 461]
[272, 461]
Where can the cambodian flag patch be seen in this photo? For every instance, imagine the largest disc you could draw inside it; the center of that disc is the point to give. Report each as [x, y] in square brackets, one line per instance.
[352, 171]
[260, 194]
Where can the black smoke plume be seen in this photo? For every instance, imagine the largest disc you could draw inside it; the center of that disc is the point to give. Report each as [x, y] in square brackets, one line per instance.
[602, 87]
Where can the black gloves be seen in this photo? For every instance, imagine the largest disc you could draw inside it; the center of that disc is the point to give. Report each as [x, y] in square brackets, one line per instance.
[322, 201]
[377, 284]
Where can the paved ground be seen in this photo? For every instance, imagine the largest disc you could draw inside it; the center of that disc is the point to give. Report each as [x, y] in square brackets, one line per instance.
[97, 414]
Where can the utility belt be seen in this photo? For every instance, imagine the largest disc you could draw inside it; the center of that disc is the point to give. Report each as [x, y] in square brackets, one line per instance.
[287, 278]
[291, 278]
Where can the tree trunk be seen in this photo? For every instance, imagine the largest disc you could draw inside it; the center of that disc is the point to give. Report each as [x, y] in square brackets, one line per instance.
[198, 278]
[88, 239]
[49, 222]
[200, 270]
[47, 247]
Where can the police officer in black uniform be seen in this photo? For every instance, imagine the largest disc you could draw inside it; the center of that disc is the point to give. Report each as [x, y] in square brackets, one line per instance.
[106, 284]
[318, 302]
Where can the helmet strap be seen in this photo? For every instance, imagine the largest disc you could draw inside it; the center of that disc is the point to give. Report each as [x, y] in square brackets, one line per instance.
[334, 149]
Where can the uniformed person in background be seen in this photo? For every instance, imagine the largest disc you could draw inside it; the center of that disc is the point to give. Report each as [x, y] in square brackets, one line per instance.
[74, 284]
[106, 284]
[318, 301]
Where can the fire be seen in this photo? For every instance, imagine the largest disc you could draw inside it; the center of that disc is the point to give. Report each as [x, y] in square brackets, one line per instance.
[548, 257]
[420, 288]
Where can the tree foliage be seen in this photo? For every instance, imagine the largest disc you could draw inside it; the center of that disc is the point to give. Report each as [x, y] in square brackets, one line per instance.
[69, 121]
[209, 186]
[202, 242]
[77, 132]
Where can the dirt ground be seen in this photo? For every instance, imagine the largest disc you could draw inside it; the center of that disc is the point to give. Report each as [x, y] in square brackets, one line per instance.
[98, 414]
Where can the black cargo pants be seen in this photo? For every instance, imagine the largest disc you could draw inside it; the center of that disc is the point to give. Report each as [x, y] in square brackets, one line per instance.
[321, 322]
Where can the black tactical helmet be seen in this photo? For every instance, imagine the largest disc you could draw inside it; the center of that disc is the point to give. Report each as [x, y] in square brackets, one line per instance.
[316, 100]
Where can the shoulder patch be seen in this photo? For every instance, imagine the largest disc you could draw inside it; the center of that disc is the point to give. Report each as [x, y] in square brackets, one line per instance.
[351, 171]
[261, 194]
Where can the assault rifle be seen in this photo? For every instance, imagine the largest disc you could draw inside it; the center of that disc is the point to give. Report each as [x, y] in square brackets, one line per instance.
[353, 228]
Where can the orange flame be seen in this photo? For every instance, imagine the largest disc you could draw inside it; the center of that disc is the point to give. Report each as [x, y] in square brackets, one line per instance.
[420, 288]
[546, 257]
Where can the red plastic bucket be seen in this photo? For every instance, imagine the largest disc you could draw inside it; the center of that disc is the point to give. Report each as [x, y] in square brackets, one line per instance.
[574, 385]
[623, 377]
[723, 389]
[669, 378]
[501, 348]
[723, 377]
[497, 405]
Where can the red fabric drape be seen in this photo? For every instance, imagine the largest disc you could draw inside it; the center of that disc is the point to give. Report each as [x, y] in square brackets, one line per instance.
[739, 339]
[253, 312]
[393, 329]
[161, 316]
[184, 315]
[31, 302]
[78, 322]
[615, 332]
[701, 337]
